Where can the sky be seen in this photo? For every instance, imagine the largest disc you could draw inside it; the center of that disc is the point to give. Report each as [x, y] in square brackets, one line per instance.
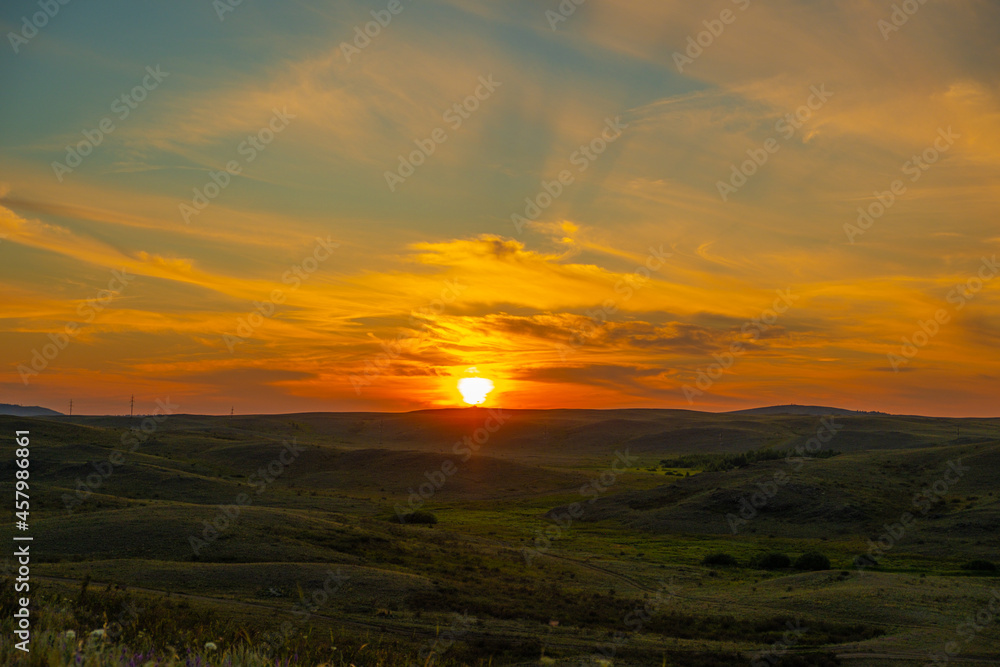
[304, 206]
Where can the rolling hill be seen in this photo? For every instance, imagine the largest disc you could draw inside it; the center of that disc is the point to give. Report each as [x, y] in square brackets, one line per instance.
[161, 513]
[26, 411]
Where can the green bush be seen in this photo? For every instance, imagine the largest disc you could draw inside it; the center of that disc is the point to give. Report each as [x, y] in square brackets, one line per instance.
[774, 561]
[865, 561]
[812, 561]
[720, 559]
[722, 462]
[980, 566]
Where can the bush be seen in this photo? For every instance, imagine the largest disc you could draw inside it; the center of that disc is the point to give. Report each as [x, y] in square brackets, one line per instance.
[416, 517]
[811, 660]
[773, 561]
[980, 566]
[865, 560]
[723, 462]
[812, 561]
[719, 559]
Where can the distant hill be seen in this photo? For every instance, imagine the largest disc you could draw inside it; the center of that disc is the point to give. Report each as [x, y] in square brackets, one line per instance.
[563, 437]
[26, 411]
[796, 410]
[857, 492]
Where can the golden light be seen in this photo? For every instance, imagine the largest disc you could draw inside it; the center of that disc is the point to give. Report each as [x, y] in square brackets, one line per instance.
[475, 389]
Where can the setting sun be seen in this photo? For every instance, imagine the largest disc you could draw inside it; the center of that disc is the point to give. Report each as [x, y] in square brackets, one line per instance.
[475, 318]
[475, 389]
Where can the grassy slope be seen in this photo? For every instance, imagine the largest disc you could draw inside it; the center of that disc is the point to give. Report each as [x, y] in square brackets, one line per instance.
[327, 510]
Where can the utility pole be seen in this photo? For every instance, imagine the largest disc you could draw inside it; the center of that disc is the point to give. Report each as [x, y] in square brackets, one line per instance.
[131, 407]
[231, 409]
[71, 407]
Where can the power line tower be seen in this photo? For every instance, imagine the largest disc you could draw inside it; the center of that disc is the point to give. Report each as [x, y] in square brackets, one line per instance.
[131, 407]
[71, 407]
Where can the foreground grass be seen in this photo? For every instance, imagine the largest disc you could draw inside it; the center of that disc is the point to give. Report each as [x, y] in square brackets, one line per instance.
[111, 627]
[572, 604]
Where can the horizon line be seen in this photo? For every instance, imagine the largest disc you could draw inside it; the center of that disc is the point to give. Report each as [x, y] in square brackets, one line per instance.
[741, 411]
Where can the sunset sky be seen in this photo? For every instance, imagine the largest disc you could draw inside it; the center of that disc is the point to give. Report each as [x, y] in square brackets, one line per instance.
[382, 291]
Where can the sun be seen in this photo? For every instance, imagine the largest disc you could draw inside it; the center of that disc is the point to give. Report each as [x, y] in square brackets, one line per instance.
[475, 389]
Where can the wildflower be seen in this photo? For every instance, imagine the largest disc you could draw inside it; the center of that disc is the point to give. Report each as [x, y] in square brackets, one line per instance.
[70, 635]
[210, 646]
[97, 634]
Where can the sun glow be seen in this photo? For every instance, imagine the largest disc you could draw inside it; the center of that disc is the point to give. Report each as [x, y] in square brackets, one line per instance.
[475, 389]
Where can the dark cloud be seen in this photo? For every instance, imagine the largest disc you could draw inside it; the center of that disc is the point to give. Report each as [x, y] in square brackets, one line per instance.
[622, 378]
[569, 328]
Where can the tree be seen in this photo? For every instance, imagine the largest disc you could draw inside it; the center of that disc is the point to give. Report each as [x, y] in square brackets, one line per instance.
[812, 561]
[722, 559]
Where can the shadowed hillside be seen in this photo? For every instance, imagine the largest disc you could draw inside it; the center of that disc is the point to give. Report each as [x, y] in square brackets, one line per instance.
[545, 529]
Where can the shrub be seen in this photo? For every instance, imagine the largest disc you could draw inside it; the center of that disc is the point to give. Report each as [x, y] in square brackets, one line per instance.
[719, 559]
[812, 561]
[811, 660]
[773, 561]
[418, 516]
[723, 462]
[980, 566]
[865, 560]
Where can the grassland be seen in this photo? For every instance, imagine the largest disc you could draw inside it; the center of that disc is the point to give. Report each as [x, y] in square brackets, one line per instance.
[562, 537]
